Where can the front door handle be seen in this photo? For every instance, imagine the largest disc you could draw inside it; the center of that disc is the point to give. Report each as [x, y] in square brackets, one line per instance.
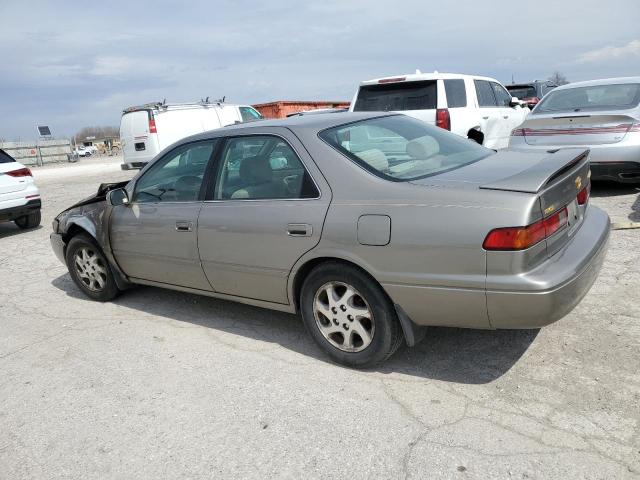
[299, 230]
[505, 116]
[184, 226]
[485, 118]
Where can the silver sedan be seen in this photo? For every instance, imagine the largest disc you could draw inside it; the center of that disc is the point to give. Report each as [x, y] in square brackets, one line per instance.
[372, 226]
[602, 115]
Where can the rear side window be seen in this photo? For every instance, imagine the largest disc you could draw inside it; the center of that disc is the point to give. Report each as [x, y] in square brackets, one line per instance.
[456, 93]
[249, 114]
[596, 97]
[5, 157]
[486, 98]
[397, 97]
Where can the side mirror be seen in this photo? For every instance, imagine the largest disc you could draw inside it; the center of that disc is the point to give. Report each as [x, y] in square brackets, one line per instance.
[515, 102]
[116, 197]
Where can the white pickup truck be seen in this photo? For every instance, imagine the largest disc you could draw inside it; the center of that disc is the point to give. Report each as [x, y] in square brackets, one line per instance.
[479, 108]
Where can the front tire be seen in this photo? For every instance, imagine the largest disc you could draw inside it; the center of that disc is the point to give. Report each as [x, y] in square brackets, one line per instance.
[90, 270]
[29, 221]
[349, 316]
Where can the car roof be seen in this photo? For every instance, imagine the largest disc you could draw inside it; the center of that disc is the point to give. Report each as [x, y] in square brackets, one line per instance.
[413, 77]
[298, 122]
[602, 81]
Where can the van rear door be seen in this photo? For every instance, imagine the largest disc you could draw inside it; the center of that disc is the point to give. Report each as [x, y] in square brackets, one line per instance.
[139, 142]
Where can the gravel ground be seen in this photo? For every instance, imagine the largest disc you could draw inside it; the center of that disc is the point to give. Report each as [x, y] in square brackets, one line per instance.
[162, 384]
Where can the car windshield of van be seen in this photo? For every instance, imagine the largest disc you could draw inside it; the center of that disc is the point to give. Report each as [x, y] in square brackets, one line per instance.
[596, 97]
[522, 91]
[401, 148]
[399, 96]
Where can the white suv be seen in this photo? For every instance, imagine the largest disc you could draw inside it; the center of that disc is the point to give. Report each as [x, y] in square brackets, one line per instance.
[19, 196]
[479, 108]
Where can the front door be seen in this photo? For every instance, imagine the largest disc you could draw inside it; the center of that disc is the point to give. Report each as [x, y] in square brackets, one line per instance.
[491, 120]
[266, 211]
[154, 237]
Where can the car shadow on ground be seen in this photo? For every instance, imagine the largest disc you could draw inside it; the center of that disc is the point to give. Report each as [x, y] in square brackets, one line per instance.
[9, 229]
[614, 189]
[449, 354]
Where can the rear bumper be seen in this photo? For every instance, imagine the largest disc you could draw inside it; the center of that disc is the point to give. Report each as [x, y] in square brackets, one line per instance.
[9, 214]
[624, 172]
[58, 246]
[551, 290]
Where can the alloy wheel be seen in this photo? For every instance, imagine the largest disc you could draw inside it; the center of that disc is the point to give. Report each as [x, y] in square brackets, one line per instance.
[90, 269]
[343, 317]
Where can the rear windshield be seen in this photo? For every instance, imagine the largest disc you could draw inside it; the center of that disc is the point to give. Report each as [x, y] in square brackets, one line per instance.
[5, 157]
[397, 97]
[521, 92]
[597, 97]
[401, 148]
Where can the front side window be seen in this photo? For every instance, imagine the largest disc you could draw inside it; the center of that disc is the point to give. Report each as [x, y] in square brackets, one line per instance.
[387, 97]
[486, 98]
[502, 96]
[456, 93]
[401, 148]
[249, 114]
[176, 177]
[262, 167]
[597, 97]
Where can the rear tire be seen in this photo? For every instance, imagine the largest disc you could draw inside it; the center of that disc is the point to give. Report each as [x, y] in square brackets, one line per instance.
[90, 270]
[349, 316]
[29, 221]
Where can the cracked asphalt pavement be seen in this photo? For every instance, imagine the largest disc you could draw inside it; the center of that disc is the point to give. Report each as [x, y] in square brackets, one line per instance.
[162, 384]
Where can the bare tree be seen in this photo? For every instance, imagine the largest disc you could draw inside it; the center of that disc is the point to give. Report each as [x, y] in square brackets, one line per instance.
[558, 78]
[98, 132]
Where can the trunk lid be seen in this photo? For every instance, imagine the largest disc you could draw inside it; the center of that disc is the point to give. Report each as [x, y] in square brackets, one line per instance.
[575, 129]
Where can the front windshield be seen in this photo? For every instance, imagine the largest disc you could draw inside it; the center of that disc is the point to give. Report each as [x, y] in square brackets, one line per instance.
[402, 148]
[596, 97]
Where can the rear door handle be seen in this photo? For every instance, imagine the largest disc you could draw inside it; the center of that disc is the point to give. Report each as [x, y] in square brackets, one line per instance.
[299, 230]
[485, 118]
[505, 116]
[184, 226]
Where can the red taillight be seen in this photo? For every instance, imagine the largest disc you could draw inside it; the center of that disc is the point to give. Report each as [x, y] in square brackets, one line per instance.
[152, 126]
[520, 238]
[21, 172]
[583, 195]
[442, 118]
[517, 132]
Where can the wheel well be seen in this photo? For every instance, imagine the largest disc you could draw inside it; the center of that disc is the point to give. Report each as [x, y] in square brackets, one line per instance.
[72, 232]
[306, 269]
[475, 134]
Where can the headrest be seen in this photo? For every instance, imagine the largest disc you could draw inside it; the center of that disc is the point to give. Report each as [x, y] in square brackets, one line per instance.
[255, 170]
[423, 147]
[374, 157]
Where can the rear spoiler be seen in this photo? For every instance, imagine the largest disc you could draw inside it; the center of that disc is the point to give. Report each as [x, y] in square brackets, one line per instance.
[543, 173]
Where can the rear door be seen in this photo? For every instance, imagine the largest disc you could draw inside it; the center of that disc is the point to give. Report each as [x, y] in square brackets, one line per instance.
[137, 136]
[154, 237]
[266, 210]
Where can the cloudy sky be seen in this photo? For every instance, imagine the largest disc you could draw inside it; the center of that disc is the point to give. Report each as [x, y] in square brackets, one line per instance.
[75, 64]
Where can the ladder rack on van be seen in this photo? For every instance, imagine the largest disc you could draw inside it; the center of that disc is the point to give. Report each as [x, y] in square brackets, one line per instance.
[163, 105]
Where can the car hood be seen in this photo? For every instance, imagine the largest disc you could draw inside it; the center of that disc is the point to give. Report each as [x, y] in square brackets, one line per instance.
[99, 196]
[508, 170]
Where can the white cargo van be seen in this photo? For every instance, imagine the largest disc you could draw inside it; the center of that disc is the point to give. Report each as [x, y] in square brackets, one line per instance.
[146, 130]
[479, 108]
